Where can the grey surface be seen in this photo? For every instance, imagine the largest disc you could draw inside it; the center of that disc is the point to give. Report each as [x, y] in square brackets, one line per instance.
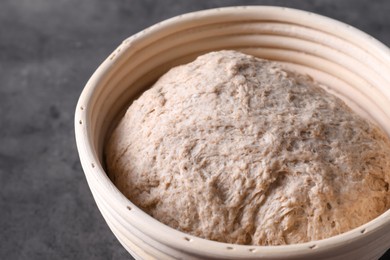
[48, 50]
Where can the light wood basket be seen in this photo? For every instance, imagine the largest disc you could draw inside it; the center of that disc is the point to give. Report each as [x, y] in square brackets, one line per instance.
[348, 62]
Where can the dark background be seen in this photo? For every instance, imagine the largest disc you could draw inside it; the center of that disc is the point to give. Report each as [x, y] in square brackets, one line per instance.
[48, 50]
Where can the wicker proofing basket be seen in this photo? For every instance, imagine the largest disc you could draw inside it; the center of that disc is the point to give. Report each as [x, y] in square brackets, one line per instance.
[350, 63]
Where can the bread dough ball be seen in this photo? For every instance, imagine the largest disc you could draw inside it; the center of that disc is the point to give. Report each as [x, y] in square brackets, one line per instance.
[236, 149]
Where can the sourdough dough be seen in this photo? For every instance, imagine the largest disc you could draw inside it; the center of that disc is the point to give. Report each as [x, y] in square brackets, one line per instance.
[235, 149]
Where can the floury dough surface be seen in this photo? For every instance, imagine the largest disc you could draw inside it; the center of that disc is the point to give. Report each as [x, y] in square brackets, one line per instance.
[235, 149]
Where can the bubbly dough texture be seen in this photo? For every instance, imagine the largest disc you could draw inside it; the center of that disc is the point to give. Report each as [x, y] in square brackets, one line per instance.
[235, 149]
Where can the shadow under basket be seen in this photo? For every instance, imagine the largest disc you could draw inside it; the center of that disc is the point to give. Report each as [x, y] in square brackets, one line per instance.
[348, 62]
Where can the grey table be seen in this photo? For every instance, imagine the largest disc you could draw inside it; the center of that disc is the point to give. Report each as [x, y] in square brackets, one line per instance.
[48, 50]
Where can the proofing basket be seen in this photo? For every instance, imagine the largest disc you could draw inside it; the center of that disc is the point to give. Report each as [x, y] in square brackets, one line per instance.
[348, 62]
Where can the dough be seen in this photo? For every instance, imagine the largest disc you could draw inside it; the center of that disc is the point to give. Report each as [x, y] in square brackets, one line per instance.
[235, 149]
